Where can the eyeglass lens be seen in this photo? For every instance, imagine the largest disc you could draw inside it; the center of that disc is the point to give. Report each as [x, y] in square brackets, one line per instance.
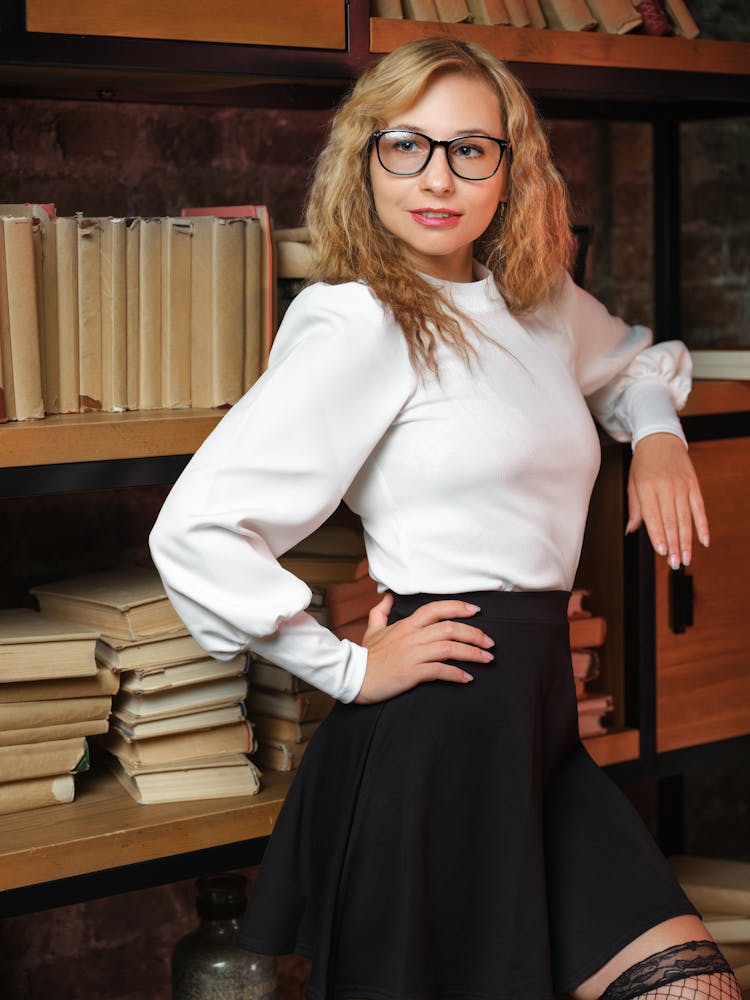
[473, 157]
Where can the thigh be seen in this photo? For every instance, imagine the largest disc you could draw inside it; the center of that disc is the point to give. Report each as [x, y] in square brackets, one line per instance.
[607, 881]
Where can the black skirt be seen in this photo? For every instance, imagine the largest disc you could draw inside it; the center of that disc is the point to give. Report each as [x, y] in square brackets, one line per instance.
[458, 841]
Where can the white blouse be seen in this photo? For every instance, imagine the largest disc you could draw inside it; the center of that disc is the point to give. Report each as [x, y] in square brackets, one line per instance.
[477, 480]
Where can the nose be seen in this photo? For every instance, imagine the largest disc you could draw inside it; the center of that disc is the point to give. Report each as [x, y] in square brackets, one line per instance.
[437, 175]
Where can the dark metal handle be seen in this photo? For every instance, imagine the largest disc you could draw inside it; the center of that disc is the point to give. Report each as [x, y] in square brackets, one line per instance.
[680, 600]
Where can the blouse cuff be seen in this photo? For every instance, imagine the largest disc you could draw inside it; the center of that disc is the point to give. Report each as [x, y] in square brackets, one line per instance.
[648, 408]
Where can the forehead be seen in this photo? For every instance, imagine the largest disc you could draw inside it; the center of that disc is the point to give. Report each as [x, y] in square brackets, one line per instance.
[451, 103]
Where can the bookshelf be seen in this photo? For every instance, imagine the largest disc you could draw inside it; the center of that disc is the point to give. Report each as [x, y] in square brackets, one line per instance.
[584, 74]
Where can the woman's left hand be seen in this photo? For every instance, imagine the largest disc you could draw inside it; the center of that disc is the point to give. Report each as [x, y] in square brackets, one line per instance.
[664, 494]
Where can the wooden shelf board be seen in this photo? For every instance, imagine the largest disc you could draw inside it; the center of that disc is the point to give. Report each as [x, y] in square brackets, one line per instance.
[93, 437]
[575, 48]
[105, 828]
[717, 396]
[614, 747]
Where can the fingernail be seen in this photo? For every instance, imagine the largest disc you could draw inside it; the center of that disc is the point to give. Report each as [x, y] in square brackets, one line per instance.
[487, 655]
[472, 608]
[705, 541]
[468, 677]
[686, 558]
[661, 548]
[674, 562]
[488, 642]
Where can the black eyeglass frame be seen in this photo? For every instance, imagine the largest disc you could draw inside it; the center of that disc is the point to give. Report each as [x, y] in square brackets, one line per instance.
[503, 144]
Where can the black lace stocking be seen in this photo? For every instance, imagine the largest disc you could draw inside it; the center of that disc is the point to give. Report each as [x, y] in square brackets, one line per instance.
[695, 970]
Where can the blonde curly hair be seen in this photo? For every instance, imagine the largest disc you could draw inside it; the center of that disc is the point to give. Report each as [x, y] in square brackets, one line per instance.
[527, 247]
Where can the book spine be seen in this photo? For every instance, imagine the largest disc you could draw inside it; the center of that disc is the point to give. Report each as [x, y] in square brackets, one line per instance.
[655, 21]
[67, 312]
[253, 348]
[518, 13]
[421, 10]
[114, 315]
[201, 284]
[684, 23]
[6, 359]
[89, 316]
[568, 15]
[149, 311]
[536, 14]
[387, 8]
[453, 11]
[18, 796]
[25, 360]
[48, 313]
[175, 300]
[617, 17]
[489, 11]
[228, 314]
[132, 310]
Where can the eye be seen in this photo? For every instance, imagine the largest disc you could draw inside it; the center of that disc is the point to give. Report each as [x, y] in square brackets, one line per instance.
[468, 150]
[404, 145]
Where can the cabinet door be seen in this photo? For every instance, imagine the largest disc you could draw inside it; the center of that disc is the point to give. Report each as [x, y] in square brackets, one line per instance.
[703, 674]
[315, 24]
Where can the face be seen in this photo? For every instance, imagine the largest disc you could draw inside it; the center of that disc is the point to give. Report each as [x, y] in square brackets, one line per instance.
[437, 214]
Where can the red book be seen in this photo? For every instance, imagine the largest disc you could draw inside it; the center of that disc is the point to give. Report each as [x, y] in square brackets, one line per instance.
[587, 632]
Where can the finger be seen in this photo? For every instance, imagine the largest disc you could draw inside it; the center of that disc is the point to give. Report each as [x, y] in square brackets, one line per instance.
[378, 616]
[635, 517]
[458, 631]
[684, 527]
[651, 514]
[700, 519]
[446, 649]
[668, 513]
[438, 671]
[438, 610]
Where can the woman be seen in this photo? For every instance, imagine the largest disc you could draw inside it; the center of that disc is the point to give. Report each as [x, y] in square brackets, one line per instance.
[447, 835]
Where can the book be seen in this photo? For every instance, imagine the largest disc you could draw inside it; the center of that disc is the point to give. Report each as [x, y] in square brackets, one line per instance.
[228, 310]
[255, 353]
[89, 315]
[46, 273]
[236, 737]
[53, 712]
[421, 10]
[568, 15]
[585, 664]
[19, 320]
[720, 364]
[518, 13]
[306, 706]
[132, 311]
[103, 682]
[681, 18]
[736, 954]
[591, 711]
[536, 14]
[182, 674]
[321, 569]
[716, 885]
[133, 707]
[35, 647]
[149, 314]
[268, 727]
[127, 603]
[114, 326]
[352, 605]
[189, 783]
[66, 232]
[387, 8]
[33, 793]
[60, 731]
[576, 601]
[176, 236]
[269, 675]
[279, 755]
[453, 11]
[489, 11]
[617, 17]
[3, 405]
[655, 21]
[147, 654]
[35, 760]
[587, 632]
[293, 258]
[335, 540]
[190, 722]
[353, 631]
[728, 928]
[225, 760]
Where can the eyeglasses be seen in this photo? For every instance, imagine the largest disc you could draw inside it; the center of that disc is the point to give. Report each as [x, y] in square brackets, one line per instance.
[471, 157]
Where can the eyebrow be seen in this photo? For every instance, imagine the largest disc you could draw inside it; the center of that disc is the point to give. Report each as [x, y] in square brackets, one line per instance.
[403, 127]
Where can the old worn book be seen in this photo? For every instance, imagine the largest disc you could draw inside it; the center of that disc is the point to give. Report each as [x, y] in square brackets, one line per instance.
[103, 682]
[453, 11]
[576, 603]
[148, 654]
[716, 885]
[294, 258]
[228, 310]
[728, 928]
[518, 12]
[66, 231]
[89, 315]
[351, 604]
[182, 675]
[132, 309]
[190, 722]
[655, 21]
[682, 19]
[189, 783]
[149, 315]
[536, 14]
[387, 8]
[19, 320]
[421, 10]
[114, 322]
[36, 646]
[134, 707]
[306, 706]
[127, 603]
[353, 631]
[46, 734]
[333, 540]
[269, 675]
[721, 364]
[176, 238]
[33, 793]
[592, 710]
[268, 727]
[34, 760]
[617, 17]
[53, 712]
[279, 755]
[255, 339]
[489, 11]
[587, 632]
[322, 569]
[234, 738]
[585, 664]
[569, 15]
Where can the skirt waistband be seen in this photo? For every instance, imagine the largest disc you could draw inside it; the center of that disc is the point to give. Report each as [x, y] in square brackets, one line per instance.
[498, 605]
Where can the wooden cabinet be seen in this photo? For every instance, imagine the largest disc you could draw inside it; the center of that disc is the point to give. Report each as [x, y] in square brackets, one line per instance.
[317, 24]
[703, 673]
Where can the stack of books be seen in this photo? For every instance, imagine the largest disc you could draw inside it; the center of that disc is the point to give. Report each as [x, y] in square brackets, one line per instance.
[178, 729]
[587, 634]
[52, 696]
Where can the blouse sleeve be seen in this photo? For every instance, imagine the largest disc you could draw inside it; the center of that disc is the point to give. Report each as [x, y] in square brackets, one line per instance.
[273, 470]
[632, 388]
